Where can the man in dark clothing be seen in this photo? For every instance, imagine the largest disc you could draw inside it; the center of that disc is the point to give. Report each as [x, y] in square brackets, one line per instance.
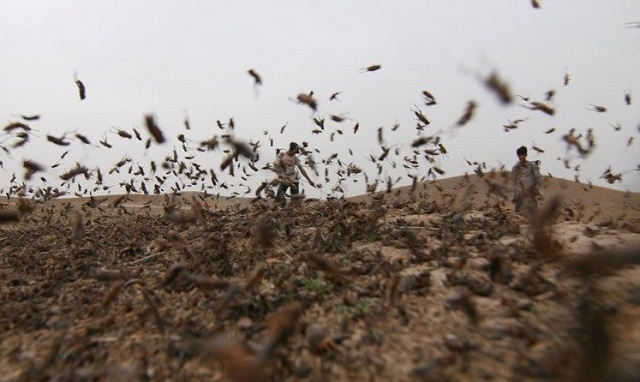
[525, 177]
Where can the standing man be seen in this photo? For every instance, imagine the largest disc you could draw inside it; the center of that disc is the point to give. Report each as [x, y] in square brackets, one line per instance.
[525, 177]
[286, 167]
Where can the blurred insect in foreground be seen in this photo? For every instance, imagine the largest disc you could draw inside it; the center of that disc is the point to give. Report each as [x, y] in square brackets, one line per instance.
[611, 177]
[371, 68]
[257, 80]
[430, 100]
[499, 87]
[542, 107]
[308, 100]
[468, 113]
[256, 77]
[549, 94]
[57, 141]
[81, 88]
[421, 117]
[31, 168]
[153, 128]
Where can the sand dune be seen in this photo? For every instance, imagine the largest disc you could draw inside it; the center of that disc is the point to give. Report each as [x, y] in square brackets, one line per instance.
[581, 202]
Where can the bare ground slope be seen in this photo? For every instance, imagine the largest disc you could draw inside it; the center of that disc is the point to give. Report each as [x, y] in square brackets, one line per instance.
[440, 283]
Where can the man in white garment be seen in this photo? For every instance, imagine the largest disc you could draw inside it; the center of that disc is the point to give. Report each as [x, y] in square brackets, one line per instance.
[286, 166]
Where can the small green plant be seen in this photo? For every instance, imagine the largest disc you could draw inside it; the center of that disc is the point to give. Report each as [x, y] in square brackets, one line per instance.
[357, 310]
[282, 267]
[317, 286]
[373, 237]
[314, 285]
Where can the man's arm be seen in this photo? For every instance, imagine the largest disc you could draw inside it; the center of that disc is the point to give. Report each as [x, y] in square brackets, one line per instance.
[304, 173]
[536, 172]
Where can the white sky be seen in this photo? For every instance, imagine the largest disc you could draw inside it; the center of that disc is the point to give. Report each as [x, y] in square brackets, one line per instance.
[177, 59]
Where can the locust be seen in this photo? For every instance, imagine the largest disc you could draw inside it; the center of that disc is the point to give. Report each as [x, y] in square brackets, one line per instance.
[81, 88]
[153, 128]
[307, 100]
[371, 68]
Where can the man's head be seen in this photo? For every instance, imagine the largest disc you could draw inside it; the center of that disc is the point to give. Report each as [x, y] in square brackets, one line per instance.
[522, 153]
[294, 148]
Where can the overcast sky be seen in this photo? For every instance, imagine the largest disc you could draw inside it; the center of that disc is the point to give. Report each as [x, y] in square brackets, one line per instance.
[190, 59]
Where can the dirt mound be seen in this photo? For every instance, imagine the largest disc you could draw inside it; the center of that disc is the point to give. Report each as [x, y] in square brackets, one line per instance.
[442, 283]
